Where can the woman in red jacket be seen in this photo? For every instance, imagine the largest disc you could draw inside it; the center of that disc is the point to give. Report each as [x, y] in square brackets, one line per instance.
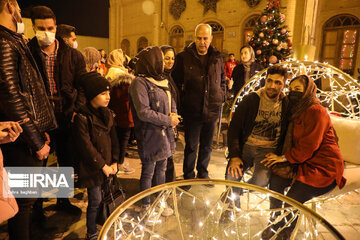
[310, 145]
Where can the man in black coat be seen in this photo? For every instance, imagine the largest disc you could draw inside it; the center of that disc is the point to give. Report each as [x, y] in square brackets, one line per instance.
[199, 74]
[22, 96]
[60, 67]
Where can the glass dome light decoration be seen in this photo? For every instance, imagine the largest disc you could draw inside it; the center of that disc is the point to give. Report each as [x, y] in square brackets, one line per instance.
[200, 214]
[337, 91]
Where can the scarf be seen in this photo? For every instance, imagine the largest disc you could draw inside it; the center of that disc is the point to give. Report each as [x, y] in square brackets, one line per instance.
[163, 84]
[150, 63]
[247, 65]
[116, 59]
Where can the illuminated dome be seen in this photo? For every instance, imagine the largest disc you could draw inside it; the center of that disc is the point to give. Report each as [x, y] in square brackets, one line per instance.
[337, 91]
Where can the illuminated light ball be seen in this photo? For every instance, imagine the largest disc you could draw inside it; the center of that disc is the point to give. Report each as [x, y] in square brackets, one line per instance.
[261, 34]
[148, 7]
[282, 17]
[283, 31]
[275, 41]
[263, 19]
[278, 48]
[258, 52]
[273, 59]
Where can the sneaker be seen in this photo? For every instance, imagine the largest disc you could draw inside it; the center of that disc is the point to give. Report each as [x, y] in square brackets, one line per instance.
[166, 210]
[91, 236]
[126, 169]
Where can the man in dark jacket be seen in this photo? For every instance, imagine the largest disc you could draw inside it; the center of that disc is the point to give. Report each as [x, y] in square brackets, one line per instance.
[257, 128]
[60, 67]
[199, 74]
[22, 95]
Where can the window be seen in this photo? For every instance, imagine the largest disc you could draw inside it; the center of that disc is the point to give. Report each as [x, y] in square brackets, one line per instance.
[176, 39]
[340, 42]
[250, 24]
[125, 46]
[218, 35]
[142, 43]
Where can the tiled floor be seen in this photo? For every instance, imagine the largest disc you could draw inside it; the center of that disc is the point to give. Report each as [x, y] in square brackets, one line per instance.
[343, 213]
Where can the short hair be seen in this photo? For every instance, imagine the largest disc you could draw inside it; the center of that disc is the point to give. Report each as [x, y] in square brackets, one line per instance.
[231, 54]
[278, 70]
[64, 30]
[2, 3]
[203, 25]
[41, 12]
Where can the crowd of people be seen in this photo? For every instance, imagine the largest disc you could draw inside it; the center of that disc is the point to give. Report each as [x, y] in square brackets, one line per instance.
[84, 105]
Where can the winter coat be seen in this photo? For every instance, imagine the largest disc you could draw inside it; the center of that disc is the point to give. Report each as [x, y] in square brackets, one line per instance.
[70, 64]
[315, 150]
[119, 98]
[95, 144]
[150, 108]
[22, 92]
[238, 75]
[203, 91]
[243, 122]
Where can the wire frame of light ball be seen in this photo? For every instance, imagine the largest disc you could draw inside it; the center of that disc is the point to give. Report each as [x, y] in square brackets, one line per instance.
[199, 213]
[339, 92]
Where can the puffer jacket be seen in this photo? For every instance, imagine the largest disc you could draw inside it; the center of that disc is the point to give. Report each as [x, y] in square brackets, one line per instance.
[120, 81]
[70, 64]
[95, 144]
[202, 91]
[22, 91]
[150, 109]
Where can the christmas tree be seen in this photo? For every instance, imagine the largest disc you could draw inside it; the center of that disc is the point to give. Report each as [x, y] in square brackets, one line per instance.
[271, 41]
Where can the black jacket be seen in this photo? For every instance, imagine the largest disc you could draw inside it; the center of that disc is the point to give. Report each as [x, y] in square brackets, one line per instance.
[95, 144]
[70, 64]
[238, 75]
[22, 91]
[243, 122]
[202, 89]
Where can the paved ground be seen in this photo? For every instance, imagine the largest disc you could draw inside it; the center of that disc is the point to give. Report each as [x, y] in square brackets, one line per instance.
[343, 213]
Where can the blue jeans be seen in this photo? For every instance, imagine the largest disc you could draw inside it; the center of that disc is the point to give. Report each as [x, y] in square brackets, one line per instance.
[251, 156]
[94, 200]
[150, 169]
[197, 132]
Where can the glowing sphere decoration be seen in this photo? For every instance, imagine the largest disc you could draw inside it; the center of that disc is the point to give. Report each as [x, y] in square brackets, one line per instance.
[148, 7]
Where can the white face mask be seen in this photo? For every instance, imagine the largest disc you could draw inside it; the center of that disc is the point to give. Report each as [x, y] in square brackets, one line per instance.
[75, 44]
[45, 38]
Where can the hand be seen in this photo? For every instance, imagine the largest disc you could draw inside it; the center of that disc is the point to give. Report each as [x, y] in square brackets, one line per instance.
[271, 159]
[236, 167]
[114, 166]
[230, 83]
[10, 130]
[73, 116]
[174, 119]
[107, 170]
[43, 153]
[47, 138]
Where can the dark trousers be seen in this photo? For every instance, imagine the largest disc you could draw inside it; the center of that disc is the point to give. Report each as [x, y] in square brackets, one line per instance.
[170, 174]
[94, 200]
[19, 155]
[150, 170]
[123, 136]
[197, 132]
[299, 191]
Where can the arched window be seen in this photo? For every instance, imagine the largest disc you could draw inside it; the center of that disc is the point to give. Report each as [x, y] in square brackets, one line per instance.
[125, 46]
[176, 38]
[142, 43]
[218, 35]
[340, 42]
[250, 24]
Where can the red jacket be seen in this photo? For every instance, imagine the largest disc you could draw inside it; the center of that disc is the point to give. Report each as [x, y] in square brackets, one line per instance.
[315, 149]
[229, 67]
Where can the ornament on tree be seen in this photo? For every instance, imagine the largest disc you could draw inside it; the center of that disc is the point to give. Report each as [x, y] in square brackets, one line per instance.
[283, 31]
[278, 48]
[264, 59]
[274, 3]
[271, 32]
[265, 43]
[275, 41]
[273, 59]
[271, 16]
[263, 19]
[258, 52]
[282, 17]
[289, 43]
[261, 34]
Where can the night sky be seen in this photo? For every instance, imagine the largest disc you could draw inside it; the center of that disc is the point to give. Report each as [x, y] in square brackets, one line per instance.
[90, 17]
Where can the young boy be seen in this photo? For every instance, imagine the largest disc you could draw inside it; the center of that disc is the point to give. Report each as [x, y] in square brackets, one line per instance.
[96, 144]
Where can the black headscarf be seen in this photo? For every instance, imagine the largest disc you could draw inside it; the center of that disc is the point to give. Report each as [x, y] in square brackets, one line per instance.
[150, 63]
[165, 49]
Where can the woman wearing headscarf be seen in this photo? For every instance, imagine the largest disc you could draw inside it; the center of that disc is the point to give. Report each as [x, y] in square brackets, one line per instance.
[155, 115]
[120, 81]
[310, 145]
[245, 70]
[169, 60]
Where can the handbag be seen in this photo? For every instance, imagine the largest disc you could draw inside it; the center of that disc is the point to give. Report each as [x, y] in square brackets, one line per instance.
[8, 205]
[112, 196]
[285, 170]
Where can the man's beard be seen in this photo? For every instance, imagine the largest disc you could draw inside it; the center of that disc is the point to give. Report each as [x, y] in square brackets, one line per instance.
[271, 96]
